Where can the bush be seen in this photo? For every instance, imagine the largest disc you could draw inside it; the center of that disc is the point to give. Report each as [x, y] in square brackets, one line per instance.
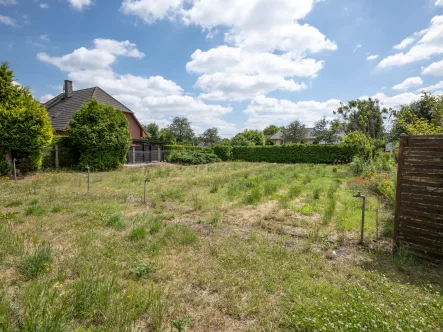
[192, 157]
[188, 148]
[101, 135]
[297, 153]
[224, 152]
[68, 155]
[365, 146]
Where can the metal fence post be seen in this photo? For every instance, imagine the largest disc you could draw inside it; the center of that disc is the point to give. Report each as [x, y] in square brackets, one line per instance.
[88, 177]
[158, 155]
[363, 207]
[57, 165]
[144, 193]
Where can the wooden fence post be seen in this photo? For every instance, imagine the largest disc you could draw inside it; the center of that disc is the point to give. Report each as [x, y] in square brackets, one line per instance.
[133, 154]
[401, 163]
[57, 163]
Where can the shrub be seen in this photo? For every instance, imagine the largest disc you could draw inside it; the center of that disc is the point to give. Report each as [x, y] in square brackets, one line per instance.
[224, 152]
[192, 157]
[37, 263]
[188, 148]
[362, 144]
[101, 135]
[297, 153]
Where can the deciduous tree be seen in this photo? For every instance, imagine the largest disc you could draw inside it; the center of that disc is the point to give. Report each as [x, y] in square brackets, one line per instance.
[181, 128]
[295, 132]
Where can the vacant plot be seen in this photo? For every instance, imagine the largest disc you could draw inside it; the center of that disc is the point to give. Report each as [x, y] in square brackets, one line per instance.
[223, 247]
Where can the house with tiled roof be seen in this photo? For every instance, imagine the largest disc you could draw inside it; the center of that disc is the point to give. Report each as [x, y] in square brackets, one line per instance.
[62, 107]
[309, 139]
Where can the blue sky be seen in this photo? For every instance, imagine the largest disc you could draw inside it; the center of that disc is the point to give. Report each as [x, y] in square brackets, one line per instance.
[231, 64]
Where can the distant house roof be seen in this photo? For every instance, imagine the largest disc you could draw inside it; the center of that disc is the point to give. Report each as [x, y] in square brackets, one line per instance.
[279, 135]
[62, 108]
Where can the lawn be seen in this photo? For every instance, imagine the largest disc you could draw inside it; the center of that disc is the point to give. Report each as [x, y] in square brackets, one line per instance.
[220, 247]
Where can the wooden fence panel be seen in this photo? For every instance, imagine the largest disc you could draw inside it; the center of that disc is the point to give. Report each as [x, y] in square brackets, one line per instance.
[419, 201]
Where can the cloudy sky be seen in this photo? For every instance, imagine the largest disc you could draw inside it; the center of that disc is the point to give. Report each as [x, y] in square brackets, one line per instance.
[232, 64]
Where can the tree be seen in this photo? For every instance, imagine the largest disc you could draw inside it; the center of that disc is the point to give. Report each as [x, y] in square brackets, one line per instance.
[152, 131]
[181, 128]
[249, 138]
[364, 145]
[324, 132]
[210, 136]
[424, 116]
[100, 133]
[295, 132]
[271, 130]
[365, 116]
[166, 135]
[25, 127]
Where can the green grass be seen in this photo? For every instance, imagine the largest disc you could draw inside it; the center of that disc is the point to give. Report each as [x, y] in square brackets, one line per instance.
[37, 263]
[220, 247]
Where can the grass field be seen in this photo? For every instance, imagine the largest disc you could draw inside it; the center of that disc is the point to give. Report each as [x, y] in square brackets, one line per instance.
[220, 247]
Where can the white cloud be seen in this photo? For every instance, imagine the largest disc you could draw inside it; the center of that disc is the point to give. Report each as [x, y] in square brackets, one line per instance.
[435, 87]
[372, 57]
[151, 10]
[80, 4]
[45, 98]
[397, 100]
[434, 69]
[99, 58]
[8, 20]
[439, 3]
[411, 82]
[137, 86]
[237, 61]
[431, 43]
[262, 111]
[404, 43]
[356, 48]
[44, 5]
[8, 2]
[81, 58]
[221, 86]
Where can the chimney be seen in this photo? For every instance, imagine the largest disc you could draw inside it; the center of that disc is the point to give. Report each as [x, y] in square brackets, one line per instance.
[67, 89]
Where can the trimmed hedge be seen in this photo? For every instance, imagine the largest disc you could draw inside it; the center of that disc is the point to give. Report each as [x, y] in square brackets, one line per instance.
[224, 152]
[204, 149]
[297, 153]
[192, 157]
[68, 155]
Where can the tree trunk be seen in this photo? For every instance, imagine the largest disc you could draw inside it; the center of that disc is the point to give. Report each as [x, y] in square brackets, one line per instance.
[8, 158]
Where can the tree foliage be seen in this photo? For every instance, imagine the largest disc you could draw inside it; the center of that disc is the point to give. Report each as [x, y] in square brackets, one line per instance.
[249, 138]
[166, 135]
[424, 116]
[181, 129]
[101, 135]
[364, 145]
[365, 116]
[25, 127]
[152, 130]
[271, 130]
[210, 136]
[325, 132]
[295, 132]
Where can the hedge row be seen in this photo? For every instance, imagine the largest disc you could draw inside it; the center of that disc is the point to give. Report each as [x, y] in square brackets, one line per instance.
[224, 152]
[188, 148]
[192, 157]
[291, 154]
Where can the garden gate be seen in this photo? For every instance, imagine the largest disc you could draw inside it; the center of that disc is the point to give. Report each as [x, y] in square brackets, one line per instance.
[419, 201]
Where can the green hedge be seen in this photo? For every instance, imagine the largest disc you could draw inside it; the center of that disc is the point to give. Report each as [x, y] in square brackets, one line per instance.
[192, 157]
[297, 153]
[68, 156]
[224, 152]
[188, 148]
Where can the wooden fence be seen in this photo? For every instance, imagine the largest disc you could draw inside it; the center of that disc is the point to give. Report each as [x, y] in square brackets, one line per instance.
[419, 202]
